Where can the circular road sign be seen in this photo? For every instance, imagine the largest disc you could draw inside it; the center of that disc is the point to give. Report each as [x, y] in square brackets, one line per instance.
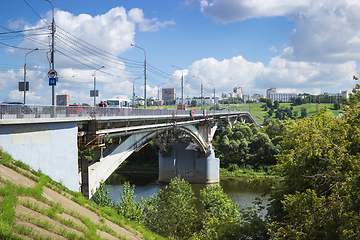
[52, 73]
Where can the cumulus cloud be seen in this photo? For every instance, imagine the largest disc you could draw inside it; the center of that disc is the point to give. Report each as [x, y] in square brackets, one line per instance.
[328, 31]
[325, 31]
[296, 76]
[83, 43]
[147, 25]
[226, 11]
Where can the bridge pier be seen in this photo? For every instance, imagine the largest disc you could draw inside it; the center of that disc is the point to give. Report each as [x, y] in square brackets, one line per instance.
[192, 165]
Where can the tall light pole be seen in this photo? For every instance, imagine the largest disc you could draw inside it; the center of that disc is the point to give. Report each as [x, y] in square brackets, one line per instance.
[52, 50]
[133, 98]
[145, 104]
[214, 94]
[95, 84]
[159, 93]
[201, 92]
[182, 85]
[25, 74]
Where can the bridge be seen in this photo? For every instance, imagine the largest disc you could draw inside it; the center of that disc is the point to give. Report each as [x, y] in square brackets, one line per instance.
[48, 139]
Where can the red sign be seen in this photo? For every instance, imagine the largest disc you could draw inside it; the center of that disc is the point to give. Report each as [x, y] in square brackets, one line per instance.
[52, 73]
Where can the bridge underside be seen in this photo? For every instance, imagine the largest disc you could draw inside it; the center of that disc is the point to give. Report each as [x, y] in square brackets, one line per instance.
[123, 144]
[185, 149]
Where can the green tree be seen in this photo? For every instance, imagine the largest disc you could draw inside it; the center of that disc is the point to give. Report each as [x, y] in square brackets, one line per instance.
[320, 165]
[303, 112]
[222, 219]
[276, 104]
[172, 212]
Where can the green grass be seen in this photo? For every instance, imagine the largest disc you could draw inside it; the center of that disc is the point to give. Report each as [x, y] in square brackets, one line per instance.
[312, 108]
[9, 199]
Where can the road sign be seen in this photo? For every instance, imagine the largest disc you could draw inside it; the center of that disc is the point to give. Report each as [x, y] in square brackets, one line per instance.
[52, 81]
[52, 74]
[21, 86]
[92, 93]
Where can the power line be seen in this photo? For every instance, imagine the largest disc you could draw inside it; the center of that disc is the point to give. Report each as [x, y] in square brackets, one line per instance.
[35, 12]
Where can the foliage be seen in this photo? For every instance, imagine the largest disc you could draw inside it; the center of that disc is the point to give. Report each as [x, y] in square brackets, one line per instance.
[320, 165]
[101, 196]
[244, 145]
[128, 207]
[222, 219]
[172, 212]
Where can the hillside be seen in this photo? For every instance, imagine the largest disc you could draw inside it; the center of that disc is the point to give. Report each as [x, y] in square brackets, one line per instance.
[32, 206]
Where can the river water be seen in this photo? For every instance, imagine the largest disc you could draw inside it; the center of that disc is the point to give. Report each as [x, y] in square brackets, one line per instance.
[238, 189]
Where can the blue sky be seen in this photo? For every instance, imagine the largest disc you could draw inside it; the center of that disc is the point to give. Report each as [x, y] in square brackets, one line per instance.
[301, 46]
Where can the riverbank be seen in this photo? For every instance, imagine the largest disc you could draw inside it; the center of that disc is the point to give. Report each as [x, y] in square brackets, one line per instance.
[33, 206]
[154, 168]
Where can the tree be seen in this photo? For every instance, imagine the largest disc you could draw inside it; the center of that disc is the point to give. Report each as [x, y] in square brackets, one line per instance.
[222, 219]
[320, 165]
[276, 104]
[193, 103]
[172, 212]
[303, 112]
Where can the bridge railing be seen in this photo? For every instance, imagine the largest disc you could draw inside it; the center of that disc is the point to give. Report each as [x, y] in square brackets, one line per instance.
[16, 111]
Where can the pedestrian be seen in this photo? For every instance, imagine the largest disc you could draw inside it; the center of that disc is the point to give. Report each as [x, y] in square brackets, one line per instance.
[101, 104]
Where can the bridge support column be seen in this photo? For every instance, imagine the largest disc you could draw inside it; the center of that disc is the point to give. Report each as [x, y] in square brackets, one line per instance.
[190, 164]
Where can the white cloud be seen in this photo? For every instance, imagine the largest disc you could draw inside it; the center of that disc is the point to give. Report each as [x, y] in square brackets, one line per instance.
[92, 40]
[147, 25]
[226, 11]
[283, 74]
[325, 31]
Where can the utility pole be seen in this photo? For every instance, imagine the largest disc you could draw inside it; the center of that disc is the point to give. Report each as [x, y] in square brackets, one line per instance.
[133, 45]
[182, 85]
[52, 50]
[25, 74]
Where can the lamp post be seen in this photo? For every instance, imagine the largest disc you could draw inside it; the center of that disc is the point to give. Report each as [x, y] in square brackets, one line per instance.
[159, 93]
[214, 95]
[145, 104]
[95, 84]
[133, 98]
[25, 74]
[201, 92]
[182, 85]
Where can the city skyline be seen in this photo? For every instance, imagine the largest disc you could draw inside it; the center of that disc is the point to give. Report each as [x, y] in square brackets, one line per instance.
[295, 46]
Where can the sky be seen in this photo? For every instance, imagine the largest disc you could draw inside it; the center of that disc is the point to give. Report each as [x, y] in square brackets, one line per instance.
[302, 46]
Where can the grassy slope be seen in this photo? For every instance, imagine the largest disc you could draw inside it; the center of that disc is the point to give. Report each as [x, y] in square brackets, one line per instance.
[25, 209]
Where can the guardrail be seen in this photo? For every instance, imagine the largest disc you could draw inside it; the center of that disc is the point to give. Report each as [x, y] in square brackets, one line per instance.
[15, 111]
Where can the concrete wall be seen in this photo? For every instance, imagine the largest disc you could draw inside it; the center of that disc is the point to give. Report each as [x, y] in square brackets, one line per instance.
[189, 164]
[49, 147]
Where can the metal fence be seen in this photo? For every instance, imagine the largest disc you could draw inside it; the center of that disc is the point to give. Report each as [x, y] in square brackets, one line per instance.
[15, 111]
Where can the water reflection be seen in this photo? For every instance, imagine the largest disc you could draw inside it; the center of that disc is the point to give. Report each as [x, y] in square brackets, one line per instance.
[238, 189]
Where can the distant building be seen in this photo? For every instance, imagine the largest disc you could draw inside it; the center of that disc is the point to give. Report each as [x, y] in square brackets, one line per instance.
[345, 94]
[270, 91]
[256, 97]
[62, 100]
[238, 91]
[168, 94]
[281, 97]
[246, 98]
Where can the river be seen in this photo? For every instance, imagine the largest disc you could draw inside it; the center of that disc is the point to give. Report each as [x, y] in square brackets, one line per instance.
[238, 189]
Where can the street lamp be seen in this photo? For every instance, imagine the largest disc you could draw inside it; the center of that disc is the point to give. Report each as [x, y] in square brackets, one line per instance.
[95, 84]
[182, 85]
[159, 93]
[133, 98]
[144, 73]
[214, 95]
[25, 73]
[201, 92]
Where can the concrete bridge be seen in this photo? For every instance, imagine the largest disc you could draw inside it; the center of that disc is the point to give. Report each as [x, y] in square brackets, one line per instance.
[48, 139]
